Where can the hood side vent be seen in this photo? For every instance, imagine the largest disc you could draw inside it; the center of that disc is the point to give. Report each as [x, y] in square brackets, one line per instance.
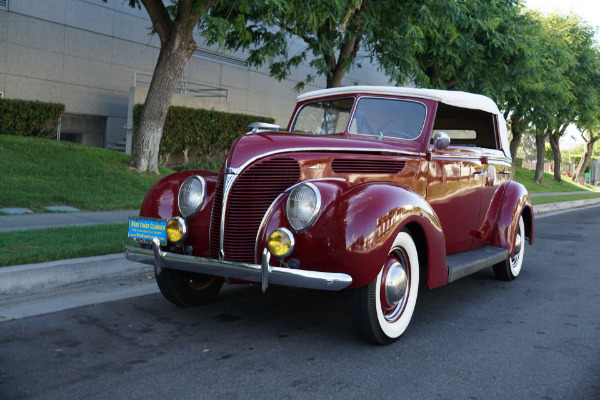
[362, 166]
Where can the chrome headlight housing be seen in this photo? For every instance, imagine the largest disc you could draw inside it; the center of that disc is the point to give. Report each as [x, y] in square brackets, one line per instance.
[192, 194]
[303, 206]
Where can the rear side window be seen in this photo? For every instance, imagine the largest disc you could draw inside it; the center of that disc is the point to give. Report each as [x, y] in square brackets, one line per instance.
[402, 119]
[466, 127]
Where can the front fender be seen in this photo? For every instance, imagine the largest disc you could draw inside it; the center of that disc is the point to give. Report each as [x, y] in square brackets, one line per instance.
[161, 202]
[356, 227]
[516, 202]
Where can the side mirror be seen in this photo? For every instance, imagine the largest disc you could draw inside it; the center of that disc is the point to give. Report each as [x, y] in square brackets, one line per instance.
[441, 140]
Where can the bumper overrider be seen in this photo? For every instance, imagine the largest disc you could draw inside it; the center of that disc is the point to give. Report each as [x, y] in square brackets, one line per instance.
[264, 273]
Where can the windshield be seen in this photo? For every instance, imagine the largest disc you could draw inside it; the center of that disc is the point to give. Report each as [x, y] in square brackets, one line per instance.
[324, 117]
[403, 119]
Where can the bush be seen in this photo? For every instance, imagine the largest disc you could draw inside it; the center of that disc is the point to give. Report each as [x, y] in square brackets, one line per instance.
[29, 118]
[519, 163]
[207, 131]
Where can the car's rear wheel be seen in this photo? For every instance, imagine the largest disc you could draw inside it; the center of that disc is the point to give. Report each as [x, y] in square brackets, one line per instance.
[382, 310]
[187, 289]
[510, 268]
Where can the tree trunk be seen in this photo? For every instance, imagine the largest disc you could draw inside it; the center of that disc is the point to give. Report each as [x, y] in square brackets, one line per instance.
[514, 145]
[540, 144]
[171, 61]
[585, 159]
[555, 145]
[517, 135]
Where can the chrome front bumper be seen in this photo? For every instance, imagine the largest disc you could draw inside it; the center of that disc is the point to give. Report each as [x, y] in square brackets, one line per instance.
[263, 273]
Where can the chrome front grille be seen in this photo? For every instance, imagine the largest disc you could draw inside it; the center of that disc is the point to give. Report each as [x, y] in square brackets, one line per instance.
[249, 198]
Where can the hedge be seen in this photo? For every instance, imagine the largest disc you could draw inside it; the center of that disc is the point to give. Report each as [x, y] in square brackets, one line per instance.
[29, 118]
[206, 131]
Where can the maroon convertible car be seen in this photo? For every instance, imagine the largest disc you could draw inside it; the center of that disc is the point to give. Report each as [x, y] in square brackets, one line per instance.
[380, 191]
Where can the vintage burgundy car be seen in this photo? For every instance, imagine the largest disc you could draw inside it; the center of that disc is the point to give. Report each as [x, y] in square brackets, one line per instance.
[375, 190]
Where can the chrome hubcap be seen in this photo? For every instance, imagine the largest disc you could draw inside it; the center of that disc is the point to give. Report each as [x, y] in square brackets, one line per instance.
[396, 284]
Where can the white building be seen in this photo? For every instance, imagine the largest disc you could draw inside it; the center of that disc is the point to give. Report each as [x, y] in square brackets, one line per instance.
[85, 53]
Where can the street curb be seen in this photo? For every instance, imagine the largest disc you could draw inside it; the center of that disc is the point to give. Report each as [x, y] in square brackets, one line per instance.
[541, 209]
[40, 277]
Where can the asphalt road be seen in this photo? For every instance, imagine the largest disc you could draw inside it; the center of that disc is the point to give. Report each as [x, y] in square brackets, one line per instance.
[478, 338]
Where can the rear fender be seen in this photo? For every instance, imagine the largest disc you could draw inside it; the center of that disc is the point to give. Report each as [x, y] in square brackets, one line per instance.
[516, 202]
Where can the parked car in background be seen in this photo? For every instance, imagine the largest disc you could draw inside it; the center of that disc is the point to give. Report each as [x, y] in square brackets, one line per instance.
[379, 191]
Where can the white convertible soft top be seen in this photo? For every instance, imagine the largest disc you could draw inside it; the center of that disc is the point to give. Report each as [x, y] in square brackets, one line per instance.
[450, 97]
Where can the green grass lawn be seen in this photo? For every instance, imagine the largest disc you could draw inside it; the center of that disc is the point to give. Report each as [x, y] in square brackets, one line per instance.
[41, 245]
[525, 177]
[40, 172]
[565, 197]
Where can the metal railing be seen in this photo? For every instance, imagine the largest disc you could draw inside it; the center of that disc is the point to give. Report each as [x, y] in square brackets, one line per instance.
[184, 87]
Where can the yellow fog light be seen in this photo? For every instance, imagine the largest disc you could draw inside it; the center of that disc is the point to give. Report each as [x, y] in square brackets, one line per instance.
[281, 243]
[176, 230]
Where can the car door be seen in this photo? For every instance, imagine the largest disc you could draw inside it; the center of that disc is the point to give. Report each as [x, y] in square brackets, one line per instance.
[496, 171]
[454, 191]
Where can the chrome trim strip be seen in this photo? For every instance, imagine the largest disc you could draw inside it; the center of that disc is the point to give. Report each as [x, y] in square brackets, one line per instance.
[457, 156]
[499, 160]
[228, 181]
[325, 149]
[249, 272]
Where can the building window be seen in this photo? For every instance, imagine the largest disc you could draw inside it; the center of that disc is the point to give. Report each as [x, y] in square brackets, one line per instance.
[3, 4]
[89, 130]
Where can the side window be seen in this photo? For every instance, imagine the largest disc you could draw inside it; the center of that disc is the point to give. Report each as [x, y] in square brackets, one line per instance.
[466, 127]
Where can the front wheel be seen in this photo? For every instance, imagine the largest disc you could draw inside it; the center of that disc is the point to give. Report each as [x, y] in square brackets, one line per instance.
[509, 269]
[382, 310]
[187, 289]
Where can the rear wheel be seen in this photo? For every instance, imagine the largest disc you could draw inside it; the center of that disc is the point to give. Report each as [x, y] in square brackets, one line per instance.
[382, 310]
[188, 289]
[509, 269]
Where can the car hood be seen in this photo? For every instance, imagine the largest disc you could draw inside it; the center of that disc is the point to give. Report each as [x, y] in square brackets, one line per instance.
[257, 145]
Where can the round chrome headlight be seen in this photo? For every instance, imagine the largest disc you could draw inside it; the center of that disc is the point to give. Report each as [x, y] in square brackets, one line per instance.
[303, 205]
[191, 195]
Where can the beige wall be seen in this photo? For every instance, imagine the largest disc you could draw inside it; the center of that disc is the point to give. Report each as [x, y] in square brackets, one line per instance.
[84, 54]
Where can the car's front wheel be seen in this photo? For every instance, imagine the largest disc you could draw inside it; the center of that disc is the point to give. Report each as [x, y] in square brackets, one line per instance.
[187, 289]
[509, 269]
[382, 310]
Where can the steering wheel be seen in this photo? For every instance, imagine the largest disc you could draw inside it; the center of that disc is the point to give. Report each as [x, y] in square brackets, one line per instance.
[396, 134]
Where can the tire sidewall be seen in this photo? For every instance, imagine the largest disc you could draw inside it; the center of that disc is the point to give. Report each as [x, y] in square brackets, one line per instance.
[395, 329]
[515, 270]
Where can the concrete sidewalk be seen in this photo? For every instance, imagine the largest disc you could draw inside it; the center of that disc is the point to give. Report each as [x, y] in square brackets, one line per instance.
[35, 278]
[39, 221]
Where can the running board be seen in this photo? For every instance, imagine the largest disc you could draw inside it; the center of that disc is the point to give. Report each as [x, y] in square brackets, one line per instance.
[469, 262]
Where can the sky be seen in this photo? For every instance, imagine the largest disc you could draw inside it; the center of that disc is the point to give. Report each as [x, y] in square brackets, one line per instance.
[589, 10]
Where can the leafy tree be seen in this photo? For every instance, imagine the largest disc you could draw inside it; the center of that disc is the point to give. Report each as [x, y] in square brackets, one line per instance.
[326, 35]
[581, 73]
[589, 119]
[462, 45]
